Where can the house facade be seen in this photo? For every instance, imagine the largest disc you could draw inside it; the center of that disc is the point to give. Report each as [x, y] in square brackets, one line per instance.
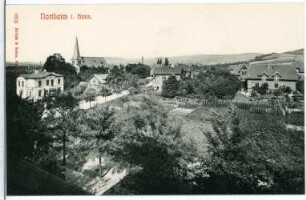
[159, 74]
[274, 75]
[97, 81]
[39, 84]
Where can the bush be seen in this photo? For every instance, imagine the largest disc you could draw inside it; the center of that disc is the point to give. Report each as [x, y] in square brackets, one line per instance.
[170, 87]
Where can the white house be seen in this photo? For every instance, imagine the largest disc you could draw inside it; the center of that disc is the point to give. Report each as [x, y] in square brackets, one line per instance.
[97, 80]
[39, 84]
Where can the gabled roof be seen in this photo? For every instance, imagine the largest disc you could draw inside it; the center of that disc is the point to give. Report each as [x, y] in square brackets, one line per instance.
[299, 65]
[236, 68]
[100, 77]
[286, 72]
[40, 74]
[93, 61]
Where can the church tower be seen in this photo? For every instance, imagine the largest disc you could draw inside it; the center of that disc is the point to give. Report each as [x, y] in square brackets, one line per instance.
[76, 58]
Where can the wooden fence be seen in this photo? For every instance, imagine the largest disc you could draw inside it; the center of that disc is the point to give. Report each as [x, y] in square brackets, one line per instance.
[253, 107]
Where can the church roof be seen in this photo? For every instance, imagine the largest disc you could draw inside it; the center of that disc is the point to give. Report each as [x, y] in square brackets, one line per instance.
[93, 61]
[40, 74]
[286, 72]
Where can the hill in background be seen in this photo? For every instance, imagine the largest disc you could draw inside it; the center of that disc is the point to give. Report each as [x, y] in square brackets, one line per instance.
[191, 59]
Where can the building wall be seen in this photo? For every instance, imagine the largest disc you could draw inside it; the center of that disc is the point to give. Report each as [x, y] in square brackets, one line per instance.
[252, 83]
[95, 83]
[158, 80]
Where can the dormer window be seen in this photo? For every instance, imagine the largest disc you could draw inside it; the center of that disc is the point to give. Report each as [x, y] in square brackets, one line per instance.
[276, 76]
[264, 77]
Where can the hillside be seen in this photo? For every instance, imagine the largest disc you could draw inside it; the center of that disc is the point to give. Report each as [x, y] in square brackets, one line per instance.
[191, 59]
[280, 58]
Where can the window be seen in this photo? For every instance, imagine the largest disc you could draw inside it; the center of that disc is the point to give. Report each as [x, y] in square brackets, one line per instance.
[58, 81]
[47, 83]
[19, 83]
[276, 85]
[52, 82]
[22, 83]
[39, 93]
[39, 83]
[46, 92]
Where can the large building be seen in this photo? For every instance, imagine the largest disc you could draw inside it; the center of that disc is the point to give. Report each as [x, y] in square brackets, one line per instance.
[39, 84]
[78, 61]
[274, 75]
[160, 73]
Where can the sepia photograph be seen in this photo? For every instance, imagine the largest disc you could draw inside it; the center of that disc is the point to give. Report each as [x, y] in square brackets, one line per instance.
[154, 99]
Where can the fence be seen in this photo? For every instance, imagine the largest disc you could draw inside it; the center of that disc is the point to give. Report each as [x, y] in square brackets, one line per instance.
[256, 108]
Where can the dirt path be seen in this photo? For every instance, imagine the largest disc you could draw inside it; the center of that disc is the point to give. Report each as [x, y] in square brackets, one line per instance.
[101, 100]
[96, 186]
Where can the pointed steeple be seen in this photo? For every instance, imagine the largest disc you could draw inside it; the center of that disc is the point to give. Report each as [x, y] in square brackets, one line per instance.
[76, 51]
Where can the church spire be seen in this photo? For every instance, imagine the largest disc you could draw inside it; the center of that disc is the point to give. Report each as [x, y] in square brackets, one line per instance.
[76, 57]
[76, 51]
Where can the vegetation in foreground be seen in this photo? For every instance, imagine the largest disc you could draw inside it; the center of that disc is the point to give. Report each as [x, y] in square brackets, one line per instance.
[239, 152]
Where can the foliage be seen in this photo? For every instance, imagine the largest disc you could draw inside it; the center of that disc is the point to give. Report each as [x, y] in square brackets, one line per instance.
[167, 62]
[90, 94]
[143, 139]
[263, 89]
[79, 90]
[214, 83]
[300, 86]
[94, 130]
[56, 63]
[159, 61]
[253, 154]
[170, 87]
[61, 119]
[24, 128]
[141, 70]
[87, 72]
[119, 80]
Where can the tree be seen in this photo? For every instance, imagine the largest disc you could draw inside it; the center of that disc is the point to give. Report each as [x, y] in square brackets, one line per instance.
[142, 138]
[250, 154]
[170, 87]
[166, 62]
[25, 132]
[216, 83]
[94, 128]
[62, 119]
[56, 63]
[105, 92]
[141, 70]
[90, 95]
[159, 61]
[263, 89]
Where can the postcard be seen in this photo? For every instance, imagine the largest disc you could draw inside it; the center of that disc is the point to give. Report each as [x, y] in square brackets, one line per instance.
[154, 99]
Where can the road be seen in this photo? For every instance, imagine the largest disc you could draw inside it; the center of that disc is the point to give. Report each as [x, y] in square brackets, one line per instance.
[101, 100]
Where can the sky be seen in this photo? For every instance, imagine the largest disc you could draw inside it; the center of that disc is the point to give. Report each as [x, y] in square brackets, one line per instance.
[132, 31]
